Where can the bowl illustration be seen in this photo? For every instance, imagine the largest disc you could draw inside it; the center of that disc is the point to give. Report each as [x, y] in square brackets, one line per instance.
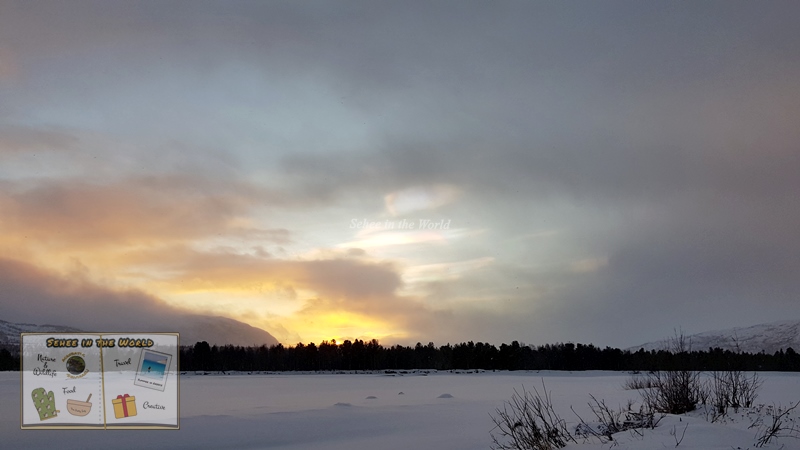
[79, 408]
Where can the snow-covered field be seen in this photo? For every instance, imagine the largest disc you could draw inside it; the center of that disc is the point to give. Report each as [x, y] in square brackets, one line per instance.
[327, 411]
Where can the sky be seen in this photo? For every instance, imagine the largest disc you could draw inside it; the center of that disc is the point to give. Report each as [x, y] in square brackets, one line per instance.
[449, 171]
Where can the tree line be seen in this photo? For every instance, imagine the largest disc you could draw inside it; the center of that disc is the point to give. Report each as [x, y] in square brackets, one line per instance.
[371, 355]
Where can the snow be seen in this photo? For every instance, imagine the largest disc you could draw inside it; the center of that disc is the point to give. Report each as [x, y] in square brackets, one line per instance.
[335, 411]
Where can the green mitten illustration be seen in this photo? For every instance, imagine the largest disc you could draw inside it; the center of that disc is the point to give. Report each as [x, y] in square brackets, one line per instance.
[45, 403]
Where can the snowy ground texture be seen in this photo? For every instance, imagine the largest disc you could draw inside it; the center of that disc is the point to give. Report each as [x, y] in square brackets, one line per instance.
[367, 411]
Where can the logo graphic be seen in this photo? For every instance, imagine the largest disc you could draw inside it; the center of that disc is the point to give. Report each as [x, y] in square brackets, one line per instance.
[76, 365]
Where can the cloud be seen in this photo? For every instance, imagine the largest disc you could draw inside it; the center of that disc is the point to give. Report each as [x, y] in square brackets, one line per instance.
[9, 69]
[227, 268]
[355, 297]
[658, 147]
[33, 295]
[418, 198]
[347, 284]
[16, 139]
[84, 215]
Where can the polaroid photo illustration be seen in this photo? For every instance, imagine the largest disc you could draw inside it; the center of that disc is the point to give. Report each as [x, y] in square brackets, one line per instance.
[153, 370]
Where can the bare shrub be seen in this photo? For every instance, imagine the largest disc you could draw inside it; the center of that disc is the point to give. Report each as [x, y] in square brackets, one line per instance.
[637, 382]
[780, 424]
[528, 421]
[674, 433]
[643, 418]
[703, 393]
[611, 421]
[719, 392]
[733, 389]
[675, 391]
[747, 391]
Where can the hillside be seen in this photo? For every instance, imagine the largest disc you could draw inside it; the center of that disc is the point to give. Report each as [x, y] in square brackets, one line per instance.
[9, 331]
[193, 328]
[767, 337]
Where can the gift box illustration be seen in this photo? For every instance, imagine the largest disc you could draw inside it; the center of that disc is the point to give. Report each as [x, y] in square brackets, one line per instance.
[124, 406]
[45, 403]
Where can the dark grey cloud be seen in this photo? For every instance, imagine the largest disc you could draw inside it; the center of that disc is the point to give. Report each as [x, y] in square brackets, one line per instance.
[660, 137]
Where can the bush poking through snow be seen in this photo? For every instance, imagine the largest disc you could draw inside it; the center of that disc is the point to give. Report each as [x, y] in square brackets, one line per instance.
[673, 391]
[732, 389]
[528, 421]
[779, 424]
[610, 421]
[676, 391]
[674, 433]
[636, 382]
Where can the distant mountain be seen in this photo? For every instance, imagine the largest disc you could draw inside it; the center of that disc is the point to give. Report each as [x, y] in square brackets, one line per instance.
[9, 331]
[769, 337]
[220, 331]
[193, 328]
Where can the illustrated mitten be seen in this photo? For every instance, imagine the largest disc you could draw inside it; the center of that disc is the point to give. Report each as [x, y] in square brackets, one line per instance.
[45, 403]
